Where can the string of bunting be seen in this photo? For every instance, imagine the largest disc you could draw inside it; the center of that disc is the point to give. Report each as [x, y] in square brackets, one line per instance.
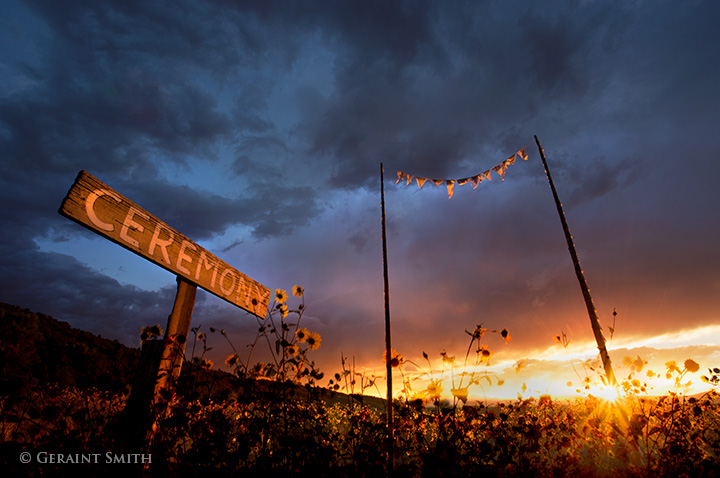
[474, 180]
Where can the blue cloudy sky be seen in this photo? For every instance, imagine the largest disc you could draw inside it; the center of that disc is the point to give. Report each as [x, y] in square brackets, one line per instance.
[257, 129]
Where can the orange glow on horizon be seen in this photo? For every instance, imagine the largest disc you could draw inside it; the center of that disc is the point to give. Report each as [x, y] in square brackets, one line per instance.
[563, 372]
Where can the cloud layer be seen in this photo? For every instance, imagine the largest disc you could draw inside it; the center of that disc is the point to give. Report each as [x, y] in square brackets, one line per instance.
[258, 129]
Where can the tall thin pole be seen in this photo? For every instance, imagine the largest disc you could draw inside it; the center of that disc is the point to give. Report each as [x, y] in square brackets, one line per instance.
[388, 348]
[594, 321]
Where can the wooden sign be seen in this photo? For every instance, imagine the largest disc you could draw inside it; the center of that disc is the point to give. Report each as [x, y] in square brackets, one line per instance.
[96, 206]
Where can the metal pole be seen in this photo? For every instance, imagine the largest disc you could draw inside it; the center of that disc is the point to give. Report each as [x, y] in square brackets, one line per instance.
[388, 348]
[594, 321]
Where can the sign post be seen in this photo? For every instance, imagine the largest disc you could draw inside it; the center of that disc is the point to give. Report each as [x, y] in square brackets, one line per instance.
[104, 211]
[176, 335]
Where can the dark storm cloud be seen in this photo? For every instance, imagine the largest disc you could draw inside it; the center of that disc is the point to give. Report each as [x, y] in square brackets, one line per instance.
[290, 108]
[73, 128]
[61, 286]
[114, 93]
[459, 79]
[121, 80]
[566, 54]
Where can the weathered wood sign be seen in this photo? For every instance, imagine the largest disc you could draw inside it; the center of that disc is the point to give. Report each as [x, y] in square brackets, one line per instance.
[103, 210]
[98, 207]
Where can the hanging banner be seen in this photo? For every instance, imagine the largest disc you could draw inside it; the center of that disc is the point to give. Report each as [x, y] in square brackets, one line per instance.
[499, 169]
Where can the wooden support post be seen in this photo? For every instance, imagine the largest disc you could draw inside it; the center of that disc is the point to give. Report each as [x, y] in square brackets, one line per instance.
[95, 205]
[594, 321]
[176, 336]
[160, 365]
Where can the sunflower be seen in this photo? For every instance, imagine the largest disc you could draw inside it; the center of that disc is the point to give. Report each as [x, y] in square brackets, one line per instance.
[280, 296]
[478, 333]
[150, 332]
[203, 363]
[484, 352]
[302, 335]
[434, 389]
[691, 366]
[313, 340]
[506, 335]
[545, 401]
[298, 291]
[395, 358]
[231, 360]
[283, 311]
[460, 393]
[291, 350]
[639, 363]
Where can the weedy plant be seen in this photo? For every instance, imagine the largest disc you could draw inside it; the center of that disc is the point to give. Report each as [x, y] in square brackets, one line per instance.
[287, 343]
[268, 430]
[462, 377]
[351, 382]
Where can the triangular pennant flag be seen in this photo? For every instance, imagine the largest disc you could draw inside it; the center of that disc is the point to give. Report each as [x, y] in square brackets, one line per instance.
[450, 185]
[500, 169]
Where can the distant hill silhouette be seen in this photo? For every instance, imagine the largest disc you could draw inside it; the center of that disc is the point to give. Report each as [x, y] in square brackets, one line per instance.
[37, 348]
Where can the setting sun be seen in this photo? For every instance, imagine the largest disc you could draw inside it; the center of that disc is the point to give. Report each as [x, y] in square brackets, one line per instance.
[568, 372]
[606, 392]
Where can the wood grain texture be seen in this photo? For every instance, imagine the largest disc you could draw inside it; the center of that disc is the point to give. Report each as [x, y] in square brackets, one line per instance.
[95, 205]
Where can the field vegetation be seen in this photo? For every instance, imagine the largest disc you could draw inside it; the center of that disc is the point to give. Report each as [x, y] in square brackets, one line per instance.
[284, 417]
